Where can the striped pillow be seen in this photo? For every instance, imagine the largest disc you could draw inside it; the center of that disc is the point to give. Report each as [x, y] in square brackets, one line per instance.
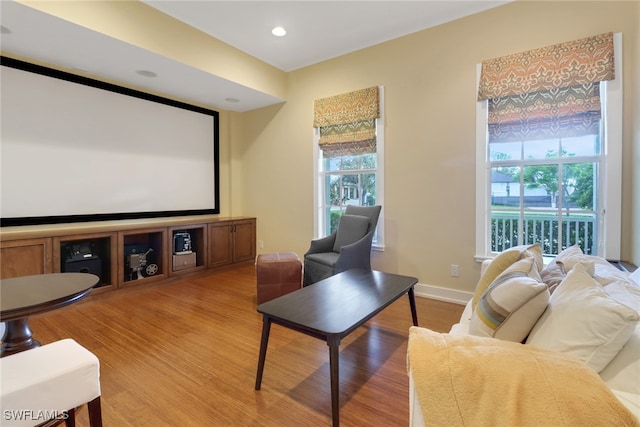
[501, 262]
[512, 304]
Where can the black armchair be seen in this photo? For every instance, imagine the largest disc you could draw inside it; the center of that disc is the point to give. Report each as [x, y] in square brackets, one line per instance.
[348, 247]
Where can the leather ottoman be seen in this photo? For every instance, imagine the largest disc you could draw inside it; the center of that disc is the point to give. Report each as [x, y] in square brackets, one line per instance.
[277, 274]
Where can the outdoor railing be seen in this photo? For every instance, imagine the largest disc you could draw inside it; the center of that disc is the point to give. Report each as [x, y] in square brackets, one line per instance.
[544, 229]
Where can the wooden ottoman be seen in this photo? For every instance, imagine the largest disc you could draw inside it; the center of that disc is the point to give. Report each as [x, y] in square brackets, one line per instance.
[277, 274]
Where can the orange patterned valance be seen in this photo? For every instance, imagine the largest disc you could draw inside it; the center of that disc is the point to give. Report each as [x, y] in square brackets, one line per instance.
[567, 64]
[356, 106]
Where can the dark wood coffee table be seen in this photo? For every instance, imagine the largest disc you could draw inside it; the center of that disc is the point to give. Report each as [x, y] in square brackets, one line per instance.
[331, 309]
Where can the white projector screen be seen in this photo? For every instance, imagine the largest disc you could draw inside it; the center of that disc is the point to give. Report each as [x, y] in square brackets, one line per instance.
[76, 149]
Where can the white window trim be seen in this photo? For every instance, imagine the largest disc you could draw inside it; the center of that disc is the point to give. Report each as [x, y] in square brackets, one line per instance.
[611, 194]
[318, 187]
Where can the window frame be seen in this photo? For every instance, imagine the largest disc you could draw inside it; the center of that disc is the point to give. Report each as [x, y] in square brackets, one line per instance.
[319, 179]
[610, 179]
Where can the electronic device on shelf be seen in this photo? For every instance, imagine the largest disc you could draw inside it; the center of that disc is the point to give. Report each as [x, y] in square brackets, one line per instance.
[181, 243]
[82, 257]
[80, 252]
[138, 264]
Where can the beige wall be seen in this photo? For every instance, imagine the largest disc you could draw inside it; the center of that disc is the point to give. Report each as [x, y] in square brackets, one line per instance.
[429, 79]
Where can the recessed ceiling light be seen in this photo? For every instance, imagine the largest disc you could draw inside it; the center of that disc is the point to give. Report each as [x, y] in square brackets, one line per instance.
[233, 100]
[146, 73]
[279, 32]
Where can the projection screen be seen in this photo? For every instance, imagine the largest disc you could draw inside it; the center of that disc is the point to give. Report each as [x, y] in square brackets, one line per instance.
[76, 149]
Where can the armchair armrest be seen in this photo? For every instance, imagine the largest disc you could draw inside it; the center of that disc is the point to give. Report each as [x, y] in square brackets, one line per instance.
[355, 255]
[324, 244]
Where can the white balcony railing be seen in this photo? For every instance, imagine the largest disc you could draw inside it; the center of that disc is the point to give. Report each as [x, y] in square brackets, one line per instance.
[579, 229]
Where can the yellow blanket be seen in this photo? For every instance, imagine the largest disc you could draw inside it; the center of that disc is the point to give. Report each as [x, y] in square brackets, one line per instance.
[474, 381]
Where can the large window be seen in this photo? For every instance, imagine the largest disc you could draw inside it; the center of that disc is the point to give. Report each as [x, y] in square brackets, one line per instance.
[545, 191]
[551, 174]
[348, 169]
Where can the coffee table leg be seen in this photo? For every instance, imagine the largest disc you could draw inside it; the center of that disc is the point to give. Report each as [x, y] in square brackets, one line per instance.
[334, 361]
[266, 327]
[412, 303]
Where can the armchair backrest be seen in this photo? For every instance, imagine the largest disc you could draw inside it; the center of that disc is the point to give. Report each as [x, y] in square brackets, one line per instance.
[355, 224]
[371, 212]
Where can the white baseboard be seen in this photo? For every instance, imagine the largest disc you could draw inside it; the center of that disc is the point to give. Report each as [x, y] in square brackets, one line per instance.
[442, 294]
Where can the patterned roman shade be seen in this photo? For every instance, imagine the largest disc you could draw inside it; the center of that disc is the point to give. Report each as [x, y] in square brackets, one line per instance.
[547, 92]
[571, 111]
[347, 122]
[567, 64]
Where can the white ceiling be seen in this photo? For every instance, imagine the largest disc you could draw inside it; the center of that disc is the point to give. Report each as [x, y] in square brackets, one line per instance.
[316, 31]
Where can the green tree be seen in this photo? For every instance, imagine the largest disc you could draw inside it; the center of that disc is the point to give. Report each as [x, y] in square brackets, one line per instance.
[582, 175]
[365, 183]
[543, 176]
[577, 181]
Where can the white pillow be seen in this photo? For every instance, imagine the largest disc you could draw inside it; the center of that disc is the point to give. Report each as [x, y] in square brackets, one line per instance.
[571, 255]
[624, 293]
[554, 272]
[623, 372]
[512, 304]
[583, 320]
[604, 272]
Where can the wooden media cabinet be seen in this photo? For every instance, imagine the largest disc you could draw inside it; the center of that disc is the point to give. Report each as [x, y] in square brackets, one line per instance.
[124, 253]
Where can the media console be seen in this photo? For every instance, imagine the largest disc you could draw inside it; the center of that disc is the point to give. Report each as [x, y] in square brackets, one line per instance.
[124, 253]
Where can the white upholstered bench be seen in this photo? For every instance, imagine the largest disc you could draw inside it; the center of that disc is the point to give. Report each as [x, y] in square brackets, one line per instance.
[48, 382]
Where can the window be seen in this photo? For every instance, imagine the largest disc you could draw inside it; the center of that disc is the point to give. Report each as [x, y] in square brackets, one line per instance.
[348, 172]
[551, 179]
[543, 191]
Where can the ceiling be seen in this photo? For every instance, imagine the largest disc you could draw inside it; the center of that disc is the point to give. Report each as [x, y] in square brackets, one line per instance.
[316, 31]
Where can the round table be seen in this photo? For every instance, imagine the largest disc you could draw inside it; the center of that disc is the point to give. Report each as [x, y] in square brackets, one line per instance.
[21, 297]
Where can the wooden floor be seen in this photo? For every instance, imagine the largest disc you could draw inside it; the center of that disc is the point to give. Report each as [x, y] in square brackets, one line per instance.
[184, 353]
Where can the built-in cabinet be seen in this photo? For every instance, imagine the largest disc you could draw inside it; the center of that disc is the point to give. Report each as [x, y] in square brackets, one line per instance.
[231, 242]
[124, 254]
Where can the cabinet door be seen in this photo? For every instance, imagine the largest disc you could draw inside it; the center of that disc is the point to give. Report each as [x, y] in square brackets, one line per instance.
[220, 244]
[25, 257]
[244, 240]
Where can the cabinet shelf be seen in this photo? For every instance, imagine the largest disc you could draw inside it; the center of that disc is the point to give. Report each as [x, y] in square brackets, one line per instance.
[142, 255]
[195, 260]
[91, 253]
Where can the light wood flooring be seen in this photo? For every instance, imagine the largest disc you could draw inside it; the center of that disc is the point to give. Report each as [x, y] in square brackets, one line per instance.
[184, 352]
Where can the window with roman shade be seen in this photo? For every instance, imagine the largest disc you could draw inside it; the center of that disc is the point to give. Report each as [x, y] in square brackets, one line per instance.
[348, 139]
[544, 145]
